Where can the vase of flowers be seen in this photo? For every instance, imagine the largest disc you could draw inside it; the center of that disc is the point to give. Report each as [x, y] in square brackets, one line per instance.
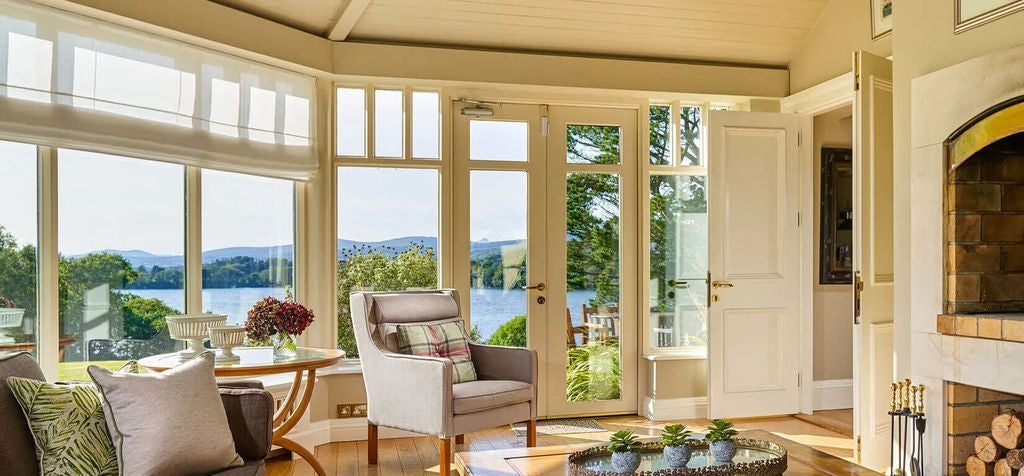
[624, 446]
[276, 323]
[720, 434]
[676, 450]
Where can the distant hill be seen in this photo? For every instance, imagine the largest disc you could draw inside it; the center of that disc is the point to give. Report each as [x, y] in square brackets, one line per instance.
[392, 247]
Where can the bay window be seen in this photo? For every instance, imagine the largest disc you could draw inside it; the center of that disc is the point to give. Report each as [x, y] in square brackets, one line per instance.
[18, 247]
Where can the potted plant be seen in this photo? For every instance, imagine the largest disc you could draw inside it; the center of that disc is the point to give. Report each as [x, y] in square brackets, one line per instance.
[10, 318]
[275, 322]
[720, 434]
[676, 451]
[624, 446]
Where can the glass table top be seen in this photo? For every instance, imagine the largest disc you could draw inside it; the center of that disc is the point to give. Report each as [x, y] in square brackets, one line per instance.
[304, 358]
[654, 461]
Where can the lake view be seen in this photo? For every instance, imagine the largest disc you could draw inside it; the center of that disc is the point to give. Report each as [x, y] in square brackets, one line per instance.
[490, 307]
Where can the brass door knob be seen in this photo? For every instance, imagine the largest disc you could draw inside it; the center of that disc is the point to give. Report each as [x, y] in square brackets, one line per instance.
[721, 284]
[538, 286]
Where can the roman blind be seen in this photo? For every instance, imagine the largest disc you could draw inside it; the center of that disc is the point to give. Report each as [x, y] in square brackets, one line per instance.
[71, 81]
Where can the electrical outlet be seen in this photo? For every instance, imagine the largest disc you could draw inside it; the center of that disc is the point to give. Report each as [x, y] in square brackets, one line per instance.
[359, 410]
[344, 411]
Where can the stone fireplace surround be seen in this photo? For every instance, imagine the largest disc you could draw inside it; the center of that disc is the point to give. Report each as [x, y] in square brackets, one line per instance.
[957, 346]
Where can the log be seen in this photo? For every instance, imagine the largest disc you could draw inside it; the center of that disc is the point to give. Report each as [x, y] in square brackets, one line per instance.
[977, 467]
[1001, 468]
[1015, 458]
[987, 449]
[1008, 430]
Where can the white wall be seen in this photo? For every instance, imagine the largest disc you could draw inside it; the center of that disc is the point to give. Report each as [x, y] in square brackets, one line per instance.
[833, 303]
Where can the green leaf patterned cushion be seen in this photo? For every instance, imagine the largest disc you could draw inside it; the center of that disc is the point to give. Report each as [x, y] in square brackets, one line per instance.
[68, 427]
[447, 339]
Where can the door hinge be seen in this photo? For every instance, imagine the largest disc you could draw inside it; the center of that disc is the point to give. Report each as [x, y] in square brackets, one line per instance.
[800, 379]
[543, 125]
[799, 139]
[799, 219]
[858, 447]
[856, 71]
[858, 288]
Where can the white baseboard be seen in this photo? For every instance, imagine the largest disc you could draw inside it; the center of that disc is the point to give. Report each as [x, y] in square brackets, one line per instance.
[341, 429]
[833, 394]
[660, 409]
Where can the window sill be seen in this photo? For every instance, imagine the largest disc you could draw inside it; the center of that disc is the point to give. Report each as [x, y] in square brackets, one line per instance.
[687, 354]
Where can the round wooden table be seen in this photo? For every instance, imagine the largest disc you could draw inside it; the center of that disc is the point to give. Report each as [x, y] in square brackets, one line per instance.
[306, 360]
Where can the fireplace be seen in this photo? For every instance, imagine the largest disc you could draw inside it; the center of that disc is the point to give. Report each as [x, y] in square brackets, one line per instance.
[969, 414]
[966, 262]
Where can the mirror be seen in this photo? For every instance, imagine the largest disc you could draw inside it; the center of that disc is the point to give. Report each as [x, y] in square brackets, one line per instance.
[836, 258]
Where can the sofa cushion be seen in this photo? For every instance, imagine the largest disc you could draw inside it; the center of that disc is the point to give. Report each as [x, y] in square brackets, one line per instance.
[447, 339]
[173, 421]
[482, 395]
[17, 453]
[67, 423]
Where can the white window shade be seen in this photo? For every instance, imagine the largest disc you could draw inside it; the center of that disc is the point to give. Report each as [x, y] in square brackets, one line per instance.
[75, 82]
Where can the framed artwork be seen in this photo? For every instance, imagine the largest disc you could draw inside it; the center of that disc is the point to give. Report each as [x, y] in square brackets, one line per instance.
[972, 13]
[881, 18]
[836, 254]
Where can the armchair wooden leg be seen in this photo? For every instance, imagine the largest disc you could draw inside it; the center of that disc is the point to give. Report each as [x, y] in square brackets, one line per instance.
[531, 433]
[445, 448]
[460, 439]
[371, 443]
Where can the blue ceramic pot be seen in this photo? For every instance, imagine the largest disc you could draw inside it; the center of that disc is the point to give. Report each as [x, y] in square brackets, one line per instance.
[626, 462]
[677, 456]
[723, 451]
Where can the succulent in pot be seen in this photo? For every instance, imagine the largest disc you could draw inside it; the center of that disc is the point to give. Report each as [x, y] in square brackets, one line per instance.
[720, 434]
[676, 450]
[624, 446]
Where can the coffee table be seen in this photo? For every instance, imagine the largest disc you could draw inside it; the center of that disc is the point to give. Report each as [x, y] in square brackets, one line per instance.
[552, 460]
[306, 360]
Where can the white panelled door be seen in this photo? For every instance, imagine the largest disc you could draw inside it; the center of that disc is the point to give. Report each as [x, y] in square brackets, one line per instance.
[872, 258]
[754, 265]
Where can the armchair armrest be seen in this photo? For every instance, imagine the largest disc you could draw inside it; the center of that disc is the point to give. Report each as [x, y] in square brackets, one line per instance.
[409, 392]
[504, 363]
[250, 414]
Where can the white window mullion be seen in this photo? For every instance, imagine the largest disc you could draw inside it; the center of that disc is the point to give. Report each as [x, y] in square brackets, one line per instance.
[193, 240]
[48, 302]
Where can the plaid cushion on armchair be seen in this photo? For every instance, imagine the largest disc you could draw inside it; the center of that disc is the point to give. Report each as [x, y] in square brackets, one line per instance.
[447, 339]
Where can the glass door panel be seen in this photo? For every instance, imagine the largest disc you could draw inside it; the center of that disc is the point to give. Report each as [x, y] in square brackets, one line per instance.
[498, 224]
[593, 361]
[678, 275]
[592, 170]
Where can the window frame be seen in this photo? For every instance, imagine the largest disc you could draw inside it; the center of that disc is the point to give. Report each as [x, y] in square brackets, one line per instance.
[650, 350]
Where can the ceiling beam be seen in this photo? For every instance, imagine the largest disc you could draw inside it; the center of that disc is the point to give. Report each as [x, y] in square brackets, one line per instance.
[350, 14]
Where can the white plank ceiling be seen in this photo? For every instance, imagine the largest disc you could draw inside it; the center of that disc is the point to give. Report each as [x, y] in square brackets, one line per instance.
[735, 31]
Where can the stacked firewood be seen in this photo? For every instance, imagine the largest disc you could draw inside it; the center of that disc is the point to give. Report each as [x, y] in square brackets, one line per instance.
[1001, 452]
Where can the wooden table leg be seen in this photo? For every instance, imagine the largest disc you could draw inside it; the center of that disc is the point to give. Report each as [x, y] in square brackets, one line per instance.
[293, 419]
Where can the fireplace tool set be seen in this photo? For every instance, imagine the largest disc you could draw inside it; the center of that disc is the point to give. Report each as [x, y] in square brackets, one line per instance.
[906, 422]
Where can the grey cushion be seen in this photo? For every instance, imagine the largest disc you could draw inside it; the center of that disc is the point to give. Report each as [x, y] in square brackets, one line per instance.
[173, 422]
[424, 307]
[17, 448]
[250, 412]
[480, 395]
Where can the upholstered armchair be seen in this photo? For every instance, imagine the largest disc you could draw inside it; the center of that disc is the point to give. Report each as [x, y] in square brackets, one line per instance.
[416, 393]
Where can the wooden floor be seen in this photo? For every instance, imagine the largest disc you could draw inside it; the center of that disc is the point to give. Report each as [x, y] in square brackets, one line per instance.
[418, 456]
[839, 421]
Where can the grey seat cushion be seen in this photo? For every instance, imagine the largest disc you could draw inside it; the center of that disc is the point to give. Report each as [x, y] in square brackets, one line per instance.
[17, 448]
[480, 395]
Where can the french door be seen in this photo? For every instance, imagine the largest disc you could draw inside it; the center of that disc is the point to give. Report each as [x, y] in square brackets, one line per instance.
[544, 237]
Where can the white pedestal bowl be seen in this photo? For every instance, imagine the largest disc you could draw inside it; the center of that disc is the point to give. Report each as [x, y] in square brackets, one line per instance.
[226, 338]
[193, 329]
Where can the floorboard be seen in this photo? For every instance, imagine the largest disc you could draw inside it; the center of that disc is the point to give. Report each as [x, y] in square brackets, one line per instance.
[419, 455]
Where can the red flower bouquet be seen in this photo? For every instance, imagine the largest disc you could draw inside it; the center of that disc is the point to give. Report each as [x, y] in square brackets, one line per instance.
[275, 322]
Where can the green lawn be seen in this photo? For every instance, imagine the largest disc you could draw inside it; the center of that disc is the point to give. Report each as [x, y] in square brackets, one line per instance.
[76, 370]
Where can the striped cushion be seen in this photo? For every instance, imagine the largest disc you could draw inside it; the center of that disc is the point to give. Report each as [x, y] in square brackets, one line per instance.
[447, 340]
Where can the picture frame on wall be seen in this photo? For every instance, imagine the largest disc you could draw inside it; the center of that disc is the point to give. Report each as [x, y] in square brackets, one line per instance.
[973, 13]
[835, 258]
[881, 18]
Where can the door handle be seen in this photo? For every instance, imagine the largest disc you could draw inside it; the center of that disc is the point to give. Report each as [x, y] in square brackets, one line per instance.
[721, 284]
[539, 286]
[858, 288]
